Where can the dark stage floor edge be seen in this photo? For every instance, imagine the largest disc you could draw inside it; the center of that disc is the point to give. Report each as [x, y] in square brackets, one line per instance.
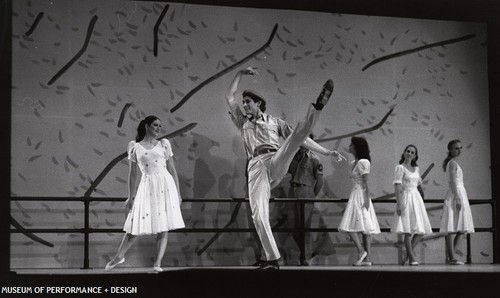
[476, 280]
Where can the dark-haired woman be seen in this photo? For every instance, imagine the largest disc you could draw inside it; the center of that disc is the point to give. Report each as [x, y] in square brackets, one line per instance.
[154, 205]
[457, 215]
[359, 216]
[411, 218]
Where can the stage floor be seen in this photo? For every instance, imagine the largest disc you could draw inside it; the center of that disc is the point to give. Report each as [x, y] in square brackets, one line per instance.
[428, 280]
[483, 268]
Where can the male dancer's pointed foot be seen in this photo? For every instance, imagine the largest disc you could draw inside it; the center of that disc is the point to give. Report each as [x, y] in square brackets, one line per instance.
[260, 263]
[324, 96]
[112, 264]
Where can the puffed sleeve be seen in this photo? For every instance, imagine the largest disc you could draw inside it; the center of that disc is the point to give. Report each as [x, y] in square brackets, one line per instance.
[364, 166]
[168, 149]
[398, 174]
[131, 151]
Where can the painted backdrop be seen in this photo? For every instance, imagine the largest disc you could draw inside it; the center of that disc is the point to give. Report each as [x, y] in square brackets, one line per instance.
[86, 72]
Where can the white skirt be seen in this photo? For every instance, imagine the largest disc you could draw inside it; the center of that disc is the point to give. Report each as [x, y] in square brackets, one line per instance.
[453, 220]
[356, 218]
[413, 219]
[156, 206]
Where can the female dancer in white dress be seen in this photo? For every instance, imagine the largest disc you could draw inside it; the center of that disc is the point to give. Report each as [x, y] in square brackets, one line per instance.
[359, 215]
[457, 215]
[154, 206]
[411, 217]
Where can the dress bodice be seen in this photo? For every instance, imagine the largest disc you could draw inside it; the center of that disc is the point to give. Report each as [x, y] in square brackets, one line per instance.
[409, 180]
[358, 170]
[150, 161]
[455, 172]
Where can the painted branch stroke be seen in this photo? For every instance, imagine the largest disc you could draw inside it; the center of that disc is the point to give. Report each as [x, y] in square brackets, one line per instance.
[224, 71]
[35, 24]
[375, 127]
[155, 30]
[32, 236]
[411, 51]
[216, 236]
[90, 29]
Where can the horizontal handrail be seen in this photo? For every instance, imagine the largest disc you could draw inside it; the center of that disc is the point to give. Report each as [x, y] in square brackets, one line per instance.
[86, 230]
[226, 200]
[204, 230]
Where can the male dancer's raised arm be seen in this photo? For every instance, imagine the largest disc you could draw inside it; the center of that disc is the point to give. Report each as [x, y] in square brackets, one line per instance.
[317, 148]
[233, 105]
[236, 112]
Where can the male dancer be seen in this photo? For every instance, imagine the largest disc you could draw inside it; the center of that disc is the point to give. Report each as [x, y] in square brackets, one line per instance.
[268, 161]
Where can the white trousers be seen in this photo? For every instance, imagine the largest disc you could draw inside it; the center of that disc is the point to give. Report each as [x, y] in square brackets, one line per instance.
[266, 171]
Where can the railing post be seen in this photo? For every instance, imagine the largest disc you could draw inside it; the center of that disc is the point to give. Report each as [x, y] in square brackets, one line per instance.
[86, 226]
[495, 229]
[469, 257]
[302, 230]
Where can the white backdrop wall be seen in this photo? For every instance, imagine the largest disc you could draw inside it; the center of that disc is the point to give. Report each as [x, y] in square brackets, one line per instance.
[66, 133]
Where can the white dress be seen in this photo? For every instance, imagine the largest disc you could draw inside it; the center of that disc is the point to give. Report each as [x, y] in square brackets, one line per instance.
[156, 206]
[356, 218]
[413, 218]
[453, 220]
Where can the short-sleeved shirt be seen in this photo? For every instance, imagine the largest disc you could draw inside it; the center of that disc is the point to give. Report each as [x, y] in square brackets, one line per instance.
[305, 168]
[265, 131]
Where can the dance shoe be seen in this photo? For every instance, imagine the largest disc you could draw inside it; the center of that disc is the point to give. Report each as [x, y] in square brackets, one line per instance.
[361, 258]
[413, 263]
[324, 96]
[366, 263]
[157, 269]
[455, 262]
[110, 265]
[270, 265]
[259, 263]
